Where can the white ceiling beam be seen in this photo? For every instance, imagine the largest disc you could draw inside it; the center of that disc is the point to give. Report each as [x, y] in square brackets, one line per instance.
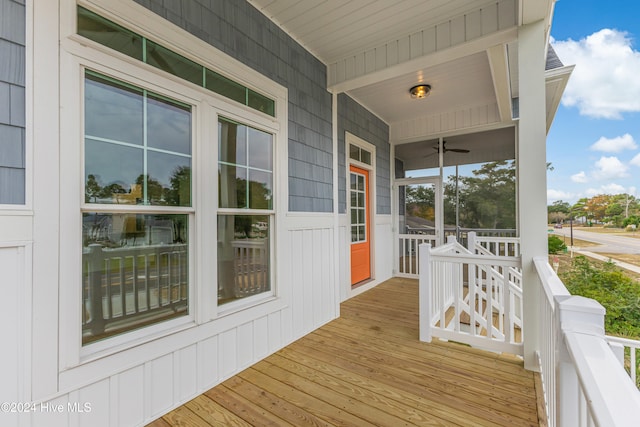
[498, 63]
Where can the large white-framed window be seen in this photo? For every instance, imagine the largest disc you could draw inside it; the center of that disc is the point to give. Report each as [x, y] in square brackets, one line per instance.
[143, 158]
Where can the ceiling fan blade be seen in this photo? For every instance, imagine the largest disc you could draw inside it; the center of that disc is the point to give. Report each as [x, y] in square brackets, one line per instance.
[457, 150]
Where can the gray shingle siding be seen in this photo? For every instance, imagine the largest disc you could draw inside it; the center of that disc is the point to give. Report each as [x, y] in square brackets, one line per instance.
[12, 102]
[357, 120]
[238, 29]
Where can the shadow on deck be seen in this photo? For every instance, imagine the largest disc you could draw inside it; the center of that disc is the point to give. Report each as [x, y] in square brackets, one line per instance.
[368, 368]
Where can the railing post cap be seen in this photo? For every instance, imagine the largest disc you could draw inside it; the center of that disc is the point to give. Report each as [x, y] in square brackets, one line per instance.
[580, 304]
[581, 315]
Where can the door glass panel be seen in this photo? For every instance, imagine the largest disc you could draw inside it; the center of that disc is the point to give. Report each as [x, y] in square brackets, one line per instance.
[358, 208]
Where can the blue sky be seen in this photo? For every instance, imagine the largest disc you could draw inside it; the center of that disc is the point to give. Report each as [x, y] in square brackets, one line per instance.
[594, 143]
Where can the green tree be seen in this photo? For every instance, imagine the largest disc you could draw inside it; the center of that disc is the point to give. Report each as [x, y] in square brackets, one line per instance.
[420, 201]
[179, 194]
[559, 206]
[92, 189]
[617, 292]
[488, 198]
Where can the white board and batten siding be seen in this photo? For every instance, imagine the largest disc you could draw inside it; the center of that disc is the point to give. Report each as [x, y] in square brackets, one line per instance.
[140, 392]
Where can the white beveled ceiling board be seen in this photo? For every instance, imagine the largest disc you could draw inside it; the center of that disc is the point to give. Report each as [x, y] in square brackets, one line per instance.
[454, 85]
[335, 29]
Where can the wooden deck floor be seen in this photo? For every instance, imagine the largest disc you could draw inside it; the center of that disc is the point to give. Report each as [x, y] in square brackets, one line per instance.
[368, 368]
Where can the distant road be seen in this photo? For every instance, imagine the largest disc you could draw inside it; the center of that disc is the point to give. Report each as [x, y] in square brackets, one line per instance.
[611, 243]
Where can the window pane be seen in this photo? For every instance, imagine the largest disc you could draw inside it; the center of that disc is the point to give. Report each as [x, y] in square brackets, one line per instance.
[360, 199]
[168, 125]
[113, 111]
[360, 182]
[168, 179]
[232, 187]
[365, 157]
[243, 256]
[109, 34]
[233, 142]
[260, 149]
[354, 152]
[166, 60]
[354, 234]
[225, 87]
[112, 173]
[260, 186]
[261, 103]
[135, 272]
[361, 235]
[354, 216]
[354, 199]
[361, 216]
[353, 180]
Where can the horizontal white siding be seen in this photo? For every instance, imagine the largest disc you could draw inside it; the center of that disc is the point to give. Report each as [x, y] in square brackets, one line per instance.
[468, 117]
[460, 29]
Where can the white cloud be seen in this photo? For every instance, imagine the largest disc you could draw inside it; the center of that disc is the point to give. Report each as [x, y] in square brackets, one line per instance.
[636, 160]
[553, 195]
[615, 145]
[606, 189]
[610, 168]
[604, 83]
[580, 177]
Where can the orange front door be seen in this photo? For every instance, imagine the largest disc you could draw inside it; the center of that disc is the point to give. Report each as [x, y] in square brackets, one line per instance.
[360, 225]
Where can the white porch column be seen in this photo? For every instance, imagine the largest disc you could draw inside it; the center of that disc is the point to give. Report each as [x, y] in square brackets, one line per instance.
[532, 174]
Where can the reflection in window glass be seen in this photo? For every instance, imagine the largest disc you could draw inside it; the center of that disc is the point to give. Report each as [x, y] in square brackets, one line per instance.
[243, 256]
[138, 145]
[107, 33]
[237, 143]
[135, 271]
[225, 87]
[172, 63]
[112, 111]
[232, 186]
[358, 208]
[168, 125]
[111, 173]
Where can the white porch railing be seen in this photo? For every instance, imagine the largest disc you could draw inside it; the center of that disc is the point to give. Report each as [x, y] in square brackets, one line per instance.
[408, 265]
[584, 383]
[626, 351]
[470, 297]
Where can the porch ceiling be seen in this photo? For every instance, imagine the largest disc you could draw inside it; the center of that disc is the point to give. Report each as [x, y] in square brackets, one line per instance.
[483, 147]
[375, 50]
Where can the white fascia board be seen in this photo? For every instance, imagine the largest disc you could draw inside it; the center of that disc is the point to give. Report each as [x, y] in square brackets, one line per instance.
[556, 81]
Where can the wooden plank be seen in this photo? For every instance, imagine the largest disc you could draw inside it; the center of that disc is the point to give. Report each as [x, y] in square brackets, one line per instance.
[333, 415]
[368, 368]
[245, 408]
[450, 387]
[284, 410]
[211, 413]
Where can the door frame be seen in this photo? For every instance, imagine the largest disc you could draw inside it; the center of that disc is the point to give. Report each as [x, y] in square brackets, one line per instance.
[439, 212]
[351, 139]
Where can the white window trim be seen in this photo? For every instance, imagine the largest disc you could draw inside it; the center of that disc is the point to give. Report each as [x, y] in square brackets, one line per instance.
[77, 52]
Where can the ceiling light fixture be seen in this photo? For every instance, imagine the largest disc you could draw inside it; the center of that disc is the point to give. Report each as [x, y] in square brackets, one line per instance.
[420, 91]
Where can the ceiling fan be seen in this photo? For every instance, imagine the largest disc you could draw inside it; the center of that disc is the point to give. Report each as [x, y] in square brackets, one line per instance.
[445, 149]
